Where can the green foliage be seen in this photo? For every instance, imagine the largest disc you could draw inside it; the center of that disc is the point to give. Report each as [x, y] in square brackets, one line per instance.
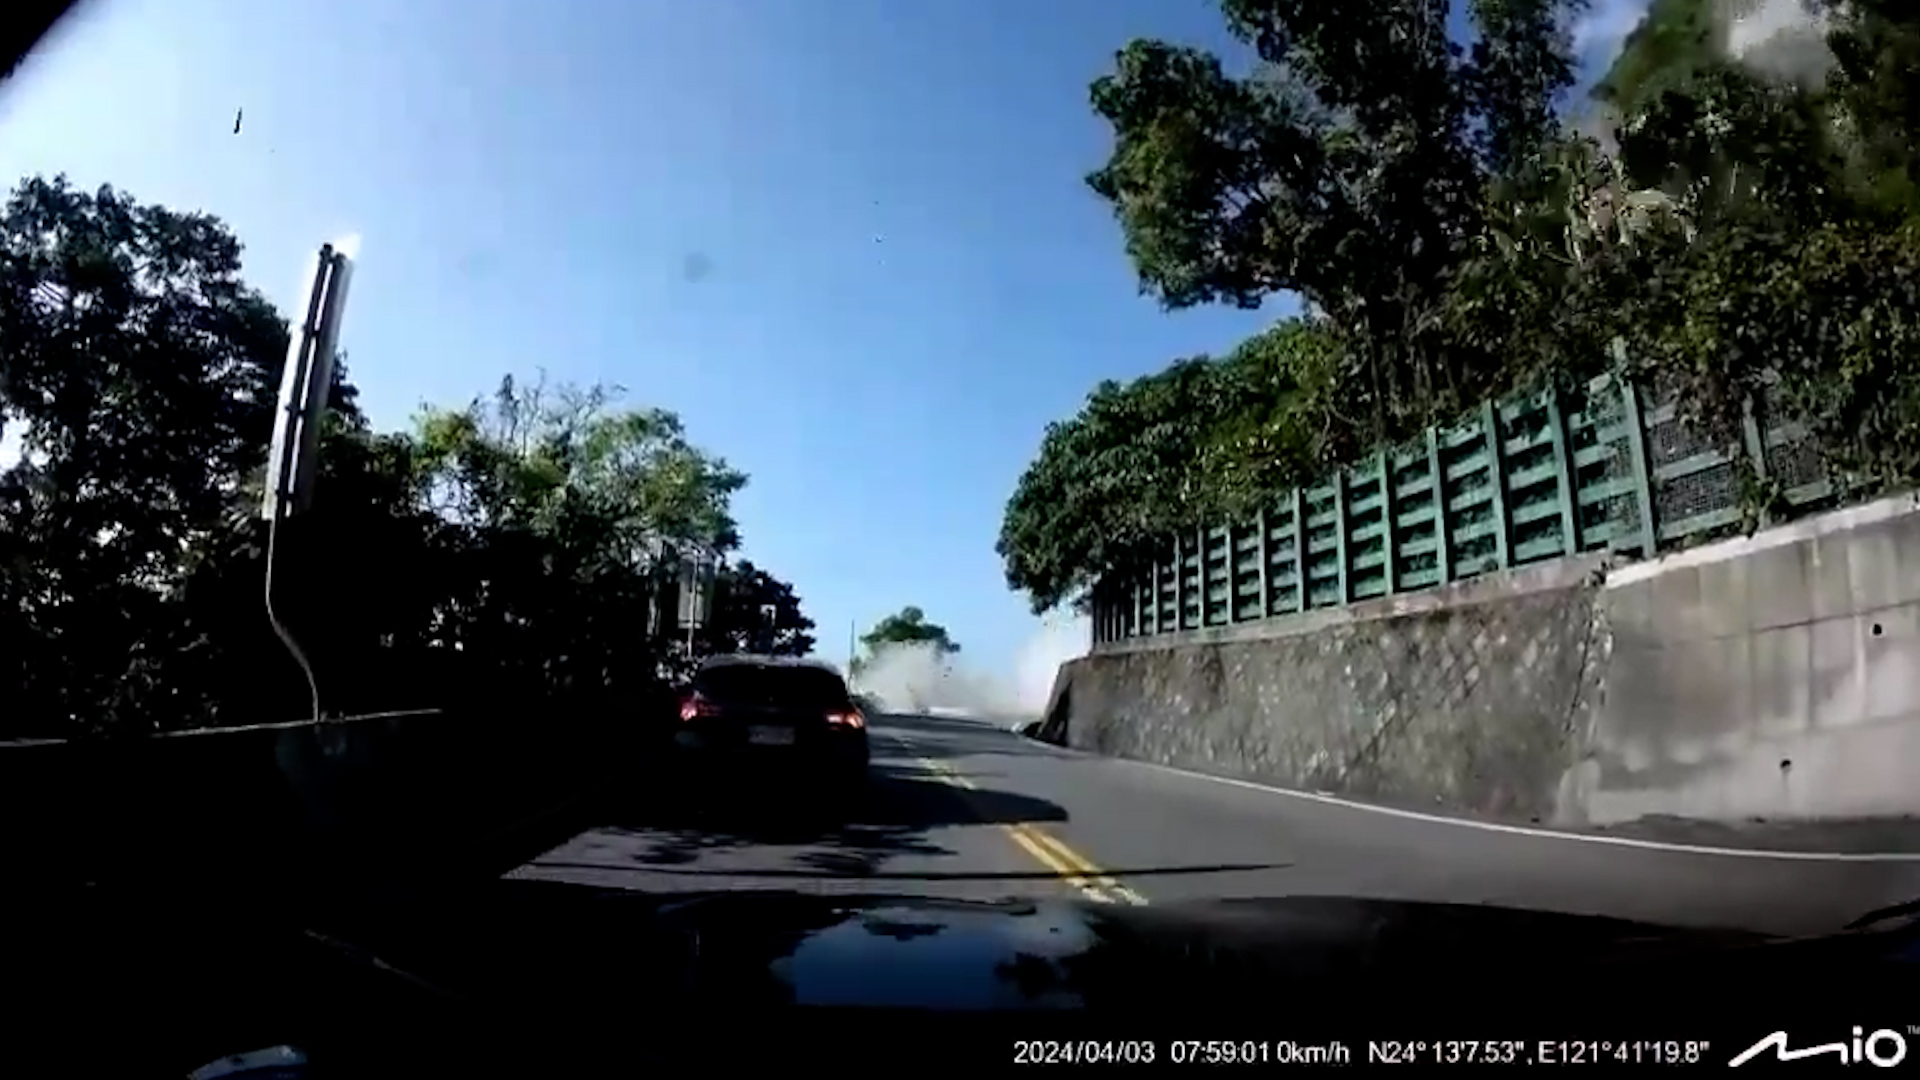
[1873, 93]
[539, 457]
[1348, 170]
[1159, 455]
[1675, 42]
[908, 627]
[1748, 238]
[1819, 324]
[1110, 480]
[137, 372]
[514, 549]
[1793, 288]
[755, 612]
[1865, 97]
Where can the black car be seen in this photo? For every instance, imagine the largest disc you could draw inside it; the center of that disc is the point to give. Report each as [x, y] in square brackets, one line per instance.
[794, 718]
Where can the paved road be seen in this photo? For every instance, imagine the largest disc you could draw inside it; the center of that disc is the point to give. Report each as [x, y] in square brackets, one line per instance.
[964, 809]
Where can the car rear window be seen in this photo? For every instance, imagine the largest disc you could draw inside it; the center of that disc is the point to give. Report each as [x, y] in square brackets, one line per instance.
[749, 684]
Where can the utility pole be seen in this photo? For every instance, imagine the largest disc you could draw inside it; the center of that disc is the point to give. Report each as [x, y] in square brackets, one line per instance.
[293, 458]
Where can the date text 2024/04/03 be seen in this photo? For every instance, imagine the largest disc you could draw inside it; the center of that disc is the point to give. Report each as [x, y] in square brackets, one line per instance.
[1882, 1047]
[1178, 1052]
[1368, 1051]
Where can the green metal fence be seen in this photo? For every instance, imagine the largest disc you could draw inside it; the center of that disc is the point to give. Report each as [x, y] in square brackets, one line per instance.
[1537, 478]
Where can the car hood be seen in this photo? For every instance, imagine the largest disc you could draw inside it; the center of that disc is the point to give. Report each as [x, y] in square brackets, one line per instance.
[758, 948]
[561, 969]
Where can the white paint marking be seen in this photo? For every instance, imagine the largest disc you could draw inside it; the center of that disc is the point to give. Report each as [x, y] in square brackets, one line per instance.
[1326, 799]
[1524, 830]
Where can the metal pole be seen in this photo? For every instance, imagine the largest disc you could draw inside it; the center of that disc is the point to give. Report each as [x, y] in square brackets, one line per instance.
[693, 605]
[293, 456]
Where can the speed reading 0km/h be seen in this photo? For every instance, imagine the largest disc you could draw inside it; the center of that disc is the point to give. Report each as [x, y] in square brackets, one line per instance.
[1536, 1051]
[1256, 1052]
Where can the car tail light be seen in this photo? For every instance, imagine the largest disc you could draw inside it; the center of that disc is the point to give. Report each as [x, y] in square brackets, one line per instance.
[847, 718]
[693, 706]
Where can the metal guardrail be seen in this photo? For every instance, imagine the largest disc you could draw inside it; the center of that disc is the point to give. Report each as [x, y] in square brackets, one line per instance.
[1540, 477]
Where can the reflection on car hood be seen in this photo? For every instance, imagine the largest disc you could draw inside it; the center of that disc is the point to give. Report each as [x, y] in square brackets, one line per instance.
[773, 948]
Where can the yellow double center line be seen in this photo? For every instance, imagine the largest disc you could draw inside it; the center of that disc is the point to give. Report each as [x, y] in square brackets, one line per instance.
[1048, 850]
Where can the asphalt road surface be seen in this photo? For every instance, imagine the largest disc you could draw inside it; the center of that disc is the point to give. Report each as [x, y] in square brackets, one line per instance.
[960, 808]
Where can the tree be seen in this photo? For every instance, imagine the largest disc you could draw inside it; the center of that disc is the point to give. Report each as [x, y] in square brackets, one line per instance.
[1876, 49]
[1349, 170]
[908, 627]
[532, 452]
[577, 496]
[755, 612]
[1455, 238]
[501, 555]
[1847, 62]
[137, 370]
[1146, 460]
[1111, 478]
[1795, 176]
[1673, 44]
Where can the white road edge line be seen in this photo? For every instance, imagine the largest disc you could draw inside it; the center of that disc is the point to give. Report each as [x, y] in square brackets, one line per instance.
[1327, 799]
[1524, 830]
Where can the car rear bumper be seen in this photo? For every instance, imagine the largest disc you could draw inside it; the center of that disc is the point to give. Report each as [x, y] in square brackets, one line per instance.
[836, 752]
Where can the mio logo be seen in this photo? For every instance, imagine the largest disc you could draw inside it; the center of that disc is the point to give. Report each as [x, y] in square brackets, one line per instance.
[1884, 1047]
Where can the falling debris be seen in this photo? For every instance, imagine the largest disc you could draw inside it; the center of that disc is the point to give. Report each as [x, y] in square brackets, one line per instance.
[237, 114]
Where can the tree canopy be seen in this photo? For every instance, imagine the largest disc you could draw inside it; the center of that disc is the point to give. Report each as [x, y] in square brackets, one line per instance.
[1350, 168]
[755, 612]
[1454, 232]
[521, 544]
[908, 627]
[1145, 459]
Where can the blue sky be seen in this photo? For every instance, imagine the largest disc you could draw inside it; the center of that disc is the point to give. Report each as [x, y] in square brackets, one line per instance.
[904, 276]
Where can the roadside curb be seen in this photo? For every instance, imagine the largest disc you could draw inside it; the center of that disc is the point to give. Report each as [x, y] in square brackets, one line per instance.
[526, 830]
[1621, 836]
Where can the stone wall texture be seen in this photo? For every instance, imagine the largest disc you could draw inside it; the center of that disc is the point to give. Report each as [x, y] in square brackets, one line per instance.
[1480, 706]
[1768, 678]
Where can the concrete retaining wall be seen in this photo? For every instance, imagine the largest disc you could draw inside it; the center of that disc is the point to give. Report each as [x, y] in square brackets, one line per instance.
[300, 805]
[1771, 677]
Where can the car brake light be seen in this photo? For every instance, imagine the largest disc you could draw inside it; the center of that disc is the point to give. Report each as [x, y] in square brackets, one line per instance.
[847, 718]
[694, 706]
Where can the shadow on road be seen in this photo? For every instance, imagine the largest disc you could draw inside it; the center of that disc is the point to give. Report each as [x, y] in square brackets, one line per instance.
[666, 824]
[750, 830]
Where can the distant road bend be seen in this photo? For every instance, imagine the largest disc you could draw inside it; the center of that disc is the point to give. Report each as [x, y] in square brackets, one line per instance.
[966, 809]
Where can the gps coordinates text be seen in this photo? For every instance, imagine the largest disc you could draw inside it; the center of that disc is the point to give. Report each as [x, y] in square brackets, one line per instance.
[1536, 1051]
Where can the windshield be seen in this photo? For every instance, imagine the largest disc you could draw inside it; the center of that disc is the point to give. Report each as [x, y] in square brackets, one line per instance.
[1451, 452]
[748, 684]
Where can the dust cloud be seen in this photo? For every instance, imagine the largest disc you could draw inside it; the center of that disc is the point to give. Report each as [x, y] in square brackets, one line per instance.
[1783, 41]
[917, 678]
